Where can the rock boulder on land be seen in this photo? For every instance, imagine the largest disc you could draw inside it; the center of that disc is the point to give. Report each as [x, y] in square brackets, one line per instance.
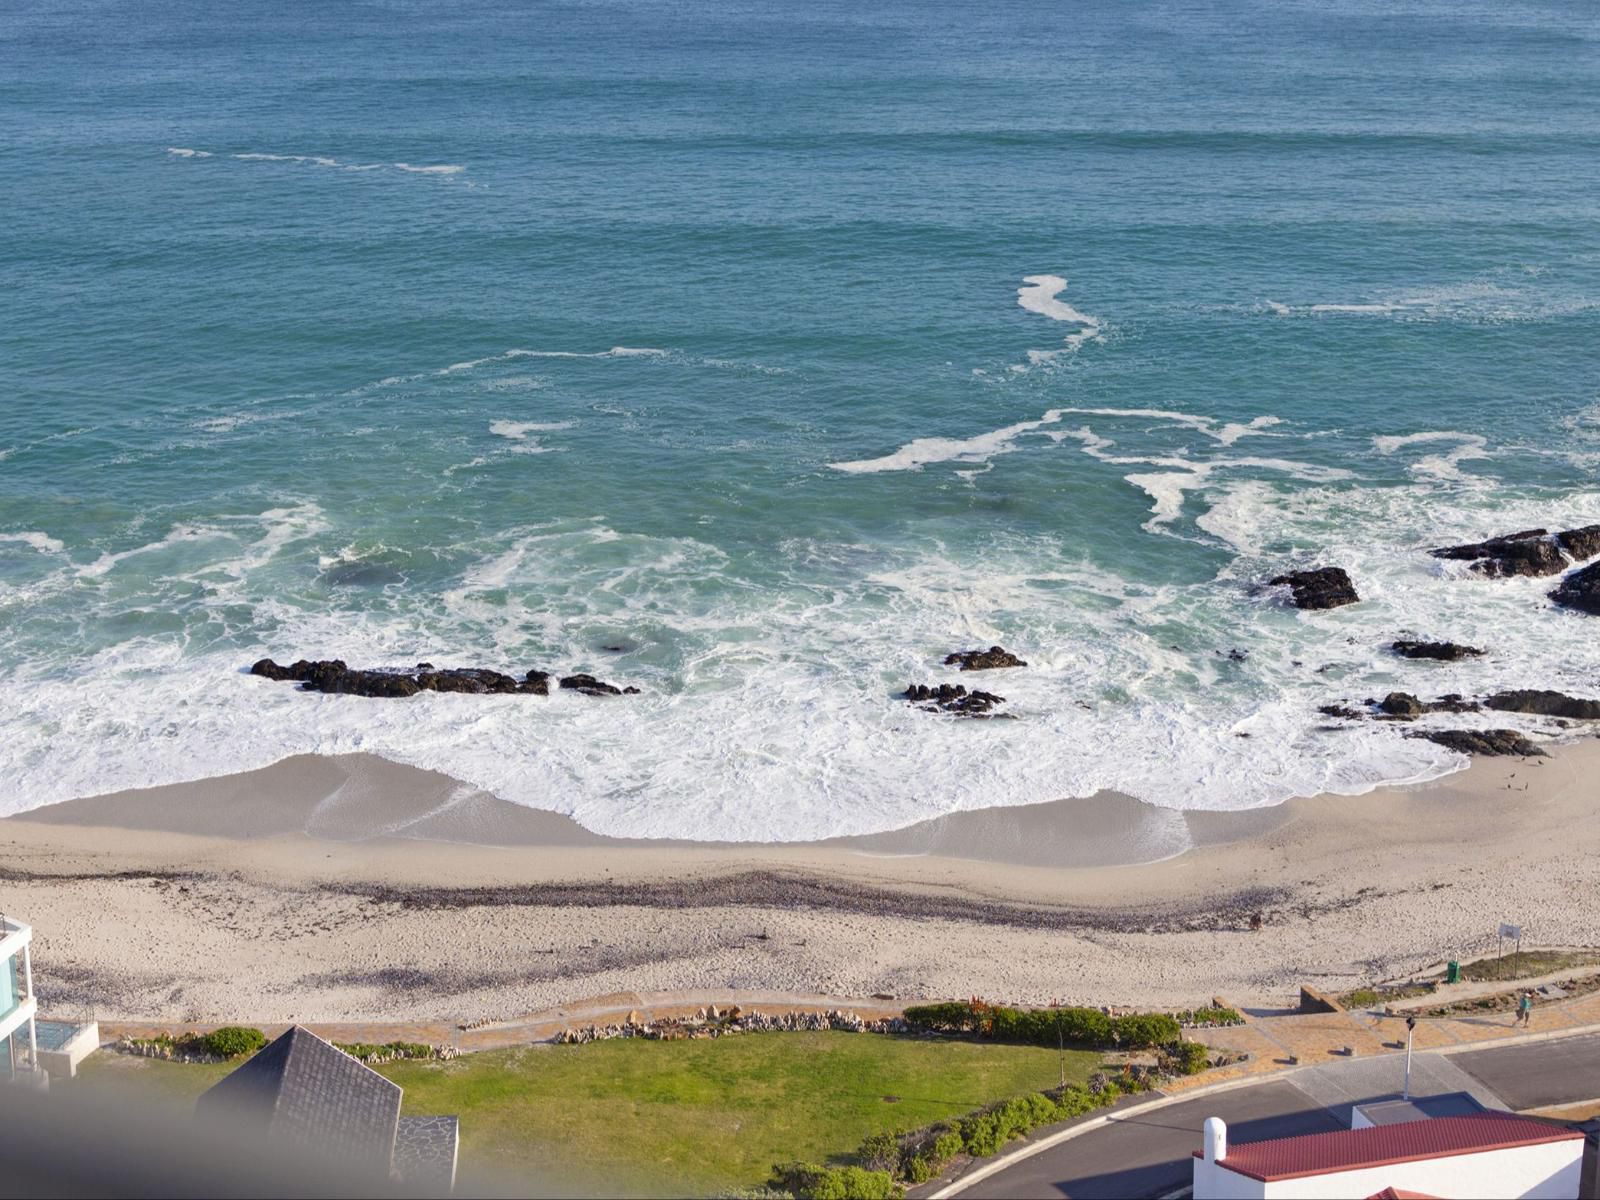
[1323, 587]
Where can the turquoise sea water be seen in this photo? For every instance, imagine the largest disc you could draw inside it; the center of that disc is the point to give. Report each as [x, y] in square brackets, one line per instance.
[759, 355]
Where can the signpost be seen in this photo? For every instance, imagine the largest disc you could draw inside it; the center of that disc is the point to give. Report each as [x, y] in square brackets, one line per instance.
[1514, 932]
[1411, 1027]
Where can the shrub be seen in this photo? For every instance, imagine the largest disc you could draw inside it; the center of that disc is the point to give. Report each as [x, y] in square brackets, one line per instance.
[808, 1181]
[1210, 1017]
[1139, 1030]
[367, 1051]
[880, 1152]
[231, 1041]
[1185, 1058]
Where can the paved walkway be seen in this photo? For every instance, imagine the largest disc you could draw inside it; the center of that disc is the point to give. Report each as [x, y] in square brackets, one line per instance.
[1277, 1043]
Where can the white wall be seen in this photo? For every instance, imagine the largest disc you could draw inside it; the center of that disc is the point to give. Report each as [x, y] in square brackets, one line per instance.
[1546, 1172]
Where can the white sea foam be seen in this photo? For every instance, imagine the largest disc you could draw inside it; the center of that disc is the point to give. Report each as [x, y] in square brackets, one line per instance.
[913, 456]
[442, 169]
[42, 542]
[1437, 466]
[323, 160]
[520, 431]
[1041, 294]
[185, 152]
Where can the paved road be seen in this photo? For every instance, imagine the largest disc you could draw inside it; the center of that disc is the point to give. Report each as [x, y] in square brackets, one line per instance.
[1150, 1155]
[1564, 1071]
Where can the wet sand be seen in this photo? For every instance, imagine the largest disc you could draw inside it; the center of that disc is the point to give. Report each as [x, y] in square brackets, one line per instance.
[356, 889]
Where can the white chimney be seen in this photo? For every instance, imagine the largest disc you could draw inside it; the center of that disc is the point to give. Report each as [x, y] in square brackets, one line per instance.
[1215, 1132]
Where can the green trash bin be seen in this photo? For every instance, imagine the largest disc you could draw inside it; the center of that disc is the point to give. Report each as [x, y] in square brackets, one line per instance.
[1452, 972]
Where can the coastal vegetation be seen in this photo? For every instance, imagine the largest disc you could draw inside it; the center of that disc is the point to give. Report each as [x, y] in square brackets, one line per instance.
[1087, 1027]
[690, 1117]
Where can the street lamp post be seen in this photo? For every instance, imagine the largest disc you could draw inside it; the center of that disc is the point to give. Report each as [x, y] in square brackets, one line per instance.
[1061, 1045]
[1411, 1025]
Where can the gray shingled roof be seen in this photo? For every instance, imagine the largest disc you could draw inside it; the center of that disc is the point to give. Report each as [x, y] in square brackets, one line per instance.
[304, 1093]
[425, 1153]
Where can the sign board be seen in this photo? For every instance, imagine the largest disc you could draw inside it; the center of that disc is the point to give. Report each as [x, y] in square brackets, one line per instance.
[1513, 932]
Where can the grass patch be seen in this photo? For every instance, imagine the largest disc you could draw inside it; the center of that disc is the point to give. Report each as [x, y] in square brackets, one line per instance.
[1529, 963]
[673, 1118]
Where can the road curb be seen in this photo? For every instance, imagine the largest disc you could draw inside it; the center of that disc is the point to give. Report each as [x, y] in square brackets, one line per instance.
[1001, 1162]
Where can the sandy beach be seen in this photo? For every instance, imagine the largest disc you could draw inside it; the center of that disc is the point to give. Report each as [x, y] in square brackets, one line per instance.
[354, 889]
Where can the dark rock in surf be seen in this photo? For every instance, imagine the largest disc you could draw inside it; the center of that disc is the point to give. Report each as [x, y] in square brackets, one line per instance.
[953, 698]
[1580, 590]
[1323, 587]
[983, 660]
[1545, 704]
[1402, 706]
[1489, 742]
[1440, 651]
[1526, 552]
[336, 677]
[588, 685]
[1341, 711]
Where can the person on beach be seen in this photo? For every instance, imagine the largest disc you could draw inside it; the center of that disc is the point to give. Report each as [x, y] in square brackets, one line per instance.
[1525, 1009]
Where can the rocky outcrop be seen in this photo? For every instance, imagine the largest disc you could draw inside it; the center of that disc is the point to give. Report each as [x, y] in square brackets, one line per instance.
[588, 685]
[983, 660]
[336, 677]
[1324, 587]
[1580, 590]
[953, 698]
[1545, 704]
[1440, 651]
[1526, 552]
[1490, 742]
[1401, 705]
[1343, 711]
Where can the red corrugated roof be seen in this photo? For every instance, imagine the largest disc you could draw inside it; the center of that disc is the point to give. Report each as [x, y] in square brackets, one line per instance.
[1384, 1145]
[1390, 1193]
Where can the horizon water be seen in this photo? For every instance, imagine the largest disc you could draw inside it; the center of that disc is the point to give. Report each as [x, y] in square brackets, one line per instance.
[759, 357]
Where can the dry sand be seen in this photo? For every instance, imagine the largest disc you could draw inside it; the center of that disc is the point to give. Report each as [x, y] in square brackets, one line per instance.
[353, 889]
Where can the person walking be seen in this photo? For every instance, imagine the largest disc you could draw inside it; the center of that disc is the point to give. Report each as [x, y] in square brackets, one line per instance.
[1525, 1010]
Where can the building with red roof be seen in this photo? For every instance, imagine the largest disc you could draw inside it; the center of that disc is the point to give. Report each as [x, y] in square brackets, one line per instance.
[1487, 1154]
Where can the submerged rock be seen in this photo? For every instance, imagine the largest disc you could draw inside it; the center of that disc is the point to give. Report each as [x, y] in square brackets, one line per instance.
[953, 698]
[983, 660]
[1344, 712]
[1324, 587]
[336, 677]
[588, 685]
[1441, 651]
[1526, 552]
[1545, 704]
[1580, 590]
[1490, 742]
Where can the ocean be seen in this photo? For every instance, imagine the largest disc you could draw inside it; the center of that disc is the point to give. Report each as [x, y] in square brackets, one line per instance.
[759, 356]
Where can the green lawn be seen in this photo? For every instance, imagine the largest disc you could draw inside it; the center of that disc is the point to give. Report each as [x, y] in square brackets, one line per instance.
[669, 1118]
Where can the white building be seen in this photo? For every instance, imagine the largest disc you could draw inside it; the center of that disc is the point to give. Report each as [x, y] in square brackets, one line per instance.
[19, 1044]
[1488, 1154]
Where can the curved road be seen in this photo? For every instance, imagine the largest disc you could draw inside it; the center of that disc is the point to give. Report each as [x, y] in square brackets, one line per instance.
[1149, 1154]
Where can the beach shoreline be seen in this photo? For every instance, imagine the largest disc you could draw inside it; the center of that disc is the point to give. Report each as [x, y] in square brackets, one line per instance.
[355, 889]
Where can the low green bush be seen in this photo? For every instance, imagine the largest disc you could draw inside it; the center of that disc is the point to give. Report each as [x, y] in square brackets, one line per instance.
[1207, 1017]
[231, 1041]
[1184, 1058]
[366, 1051]
[1044, 1026]
[808, 1181]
